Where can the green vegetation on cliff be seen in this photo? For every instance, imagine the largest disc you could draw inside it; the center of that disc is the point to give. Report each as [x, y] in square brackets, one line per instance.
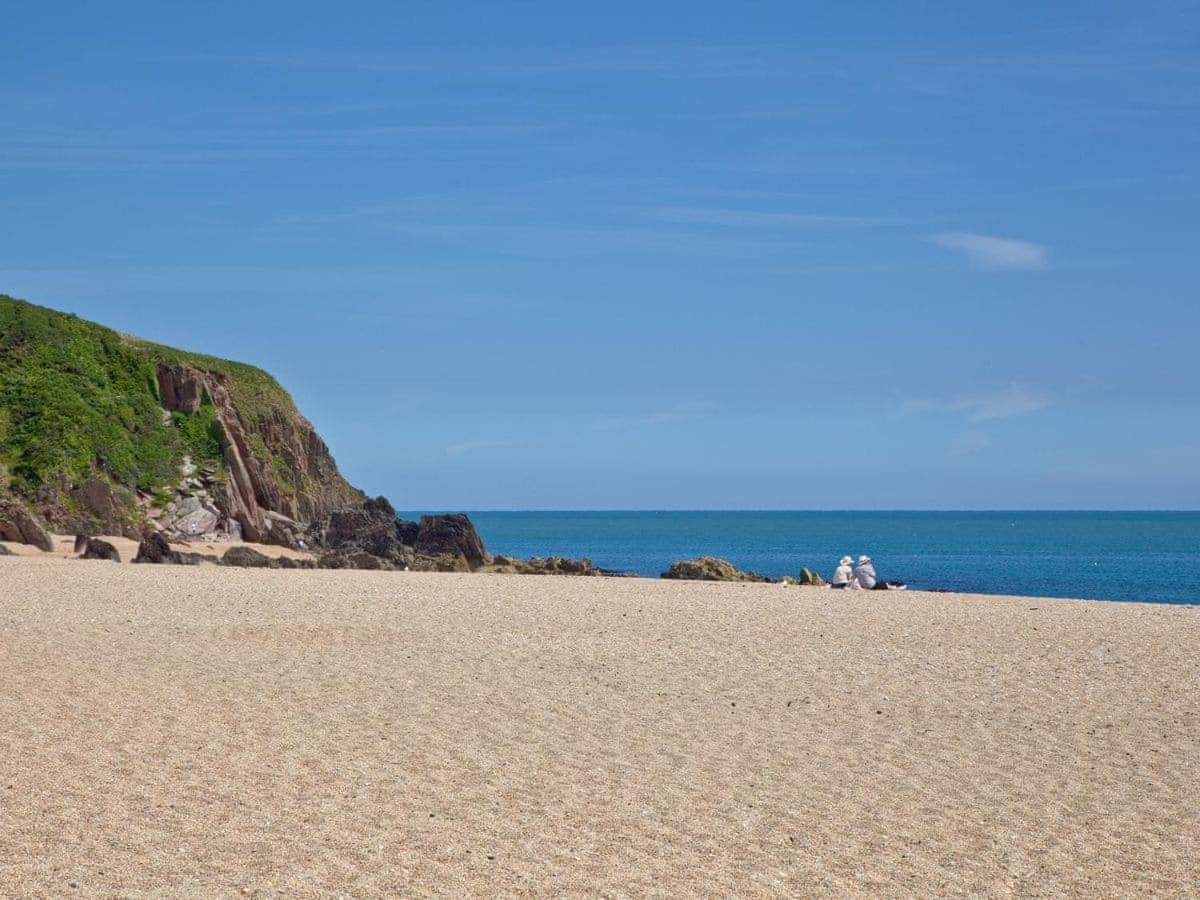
[79, 401]
[77, 398]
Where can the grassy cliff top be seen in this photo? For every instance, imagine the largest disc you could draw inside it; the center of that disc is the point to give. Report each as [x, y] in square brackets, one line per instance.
[78, 399]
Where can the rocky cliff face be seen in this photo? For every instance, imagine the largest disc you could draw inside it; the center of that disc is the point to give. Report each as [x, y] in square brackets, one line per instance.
[280, 475]
[101, 432]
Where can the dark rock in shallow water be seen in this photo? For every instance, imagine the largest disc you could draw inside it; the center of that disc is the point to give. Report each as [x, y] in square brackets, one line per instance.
[94, 548]
[4, 551]
[19, 525]
[246, 558]
[451, 534]
[709, 568]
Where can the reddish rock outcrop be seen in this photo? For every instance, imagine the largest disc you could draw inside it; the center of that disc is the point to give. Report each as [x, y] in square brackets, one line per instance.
[252, 491]
[19, 525]
[180, 388]
[210, 449]
[281, 475]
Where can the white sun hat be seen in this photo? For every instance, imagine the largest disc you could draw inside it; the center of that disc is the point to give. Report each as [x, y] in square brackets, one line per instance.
[846, 560]
[864, 559]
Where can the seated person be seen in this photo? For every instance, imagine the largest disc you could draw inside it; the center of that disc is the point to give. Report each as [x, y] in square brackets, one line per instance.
[864, 574]
[843, 575]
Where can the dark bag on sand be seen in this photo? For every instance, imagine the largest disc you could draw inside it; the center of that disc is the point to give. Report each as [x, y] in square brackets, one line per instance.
[890, 586]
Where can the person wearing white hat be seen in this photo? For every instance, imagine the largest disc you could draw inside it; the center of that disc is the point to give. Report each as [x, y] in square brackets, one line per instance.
[844, 574]
[864, 574]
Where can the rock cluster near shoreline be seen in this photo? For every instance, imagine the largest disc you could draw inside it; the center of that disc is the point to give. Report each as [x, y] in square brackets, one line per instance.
[371, 536]
[167, 446]
[709, 568]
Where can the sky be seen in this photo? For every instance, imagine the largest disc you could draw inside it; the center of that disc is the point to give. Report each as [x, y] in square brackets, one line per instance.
[701, 255]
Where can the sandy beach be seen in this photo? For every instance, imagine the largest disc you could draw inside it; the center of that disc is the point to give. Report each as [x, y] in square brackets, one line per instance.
[220, 732]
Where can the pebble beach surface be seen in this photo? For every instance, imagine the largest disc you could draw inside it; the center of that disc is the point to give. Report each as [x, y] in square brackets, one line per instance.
[202, 731]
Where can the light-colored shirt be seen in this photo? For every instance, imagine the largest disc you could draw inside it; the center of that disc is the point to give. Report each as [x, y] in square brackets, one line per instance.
[843, 575]
[864, 575]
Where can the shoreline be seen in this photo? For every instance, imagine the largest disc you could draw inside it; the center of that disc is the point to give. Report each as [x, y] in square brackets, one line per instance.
[64, 552]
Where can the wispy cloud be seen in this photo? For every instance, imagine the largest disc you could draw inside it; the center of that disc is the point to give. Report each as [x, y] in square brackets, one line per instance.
[1013, 400]
[988, 252]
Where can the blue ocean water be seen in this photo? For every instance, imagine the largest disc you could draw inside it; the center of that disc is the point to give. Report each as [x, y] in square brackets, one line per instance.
[1108, 555]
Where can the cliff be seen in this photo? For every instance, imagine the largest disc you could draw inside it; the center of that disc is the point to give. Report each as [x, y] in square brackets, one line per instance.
[100, 431]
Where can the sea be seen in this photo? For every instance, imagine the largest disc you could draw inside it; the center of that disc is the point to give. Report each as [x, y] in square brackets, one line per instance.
[1146, 556]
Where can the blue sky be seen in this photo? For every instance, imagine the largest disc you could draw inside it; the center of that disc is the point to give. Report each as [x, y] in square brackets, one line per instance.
[669, 255]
